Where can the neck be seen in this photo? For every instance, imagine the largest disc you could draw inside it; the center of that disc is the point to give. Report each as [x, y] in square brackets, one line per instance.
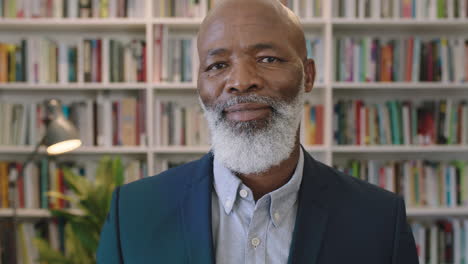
[273, 178]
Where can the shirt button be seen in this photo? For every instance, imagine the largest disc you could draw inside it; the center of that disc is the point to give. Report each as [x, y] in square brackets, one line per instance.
[255, 242]
[277, 216]
[243, 193]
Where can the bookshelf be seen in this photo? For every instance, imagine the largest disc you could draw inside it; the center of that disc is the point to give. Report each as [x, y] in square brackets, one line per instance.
[328, 26]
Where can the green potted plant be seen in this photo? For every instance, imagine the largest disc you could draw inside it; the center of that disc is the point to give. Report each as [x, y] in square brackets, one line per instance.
[83, 226]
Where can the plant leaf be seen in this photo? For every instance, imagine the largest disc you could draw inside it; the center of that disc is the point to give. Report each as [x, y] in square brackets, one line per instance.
[49, 255]
[77, 183]
[61, 196]
[82, 231]
[118, 171]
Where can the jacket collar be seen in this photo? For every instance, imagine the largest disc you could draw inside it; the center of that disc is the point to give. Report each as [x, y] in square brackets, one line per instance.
[310, 223]
[196, 213]
[312, 213]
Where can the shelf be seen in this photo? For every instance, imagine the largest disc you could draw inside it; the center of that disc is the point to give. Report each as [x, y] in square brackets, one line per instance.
[165, 86]
[317, 148]
[72, 86]
[205, 149]
[112, 150]
[73, 23]
[182, 22]
[31, 213]
[181, 149]
[313, 22]
[192, 86]
[399, 85]
[180, 86]
[179, 23]
[437, 212]
[400, 149]
[399, 23]
[194, 23]
[80, 150]
[411, 212]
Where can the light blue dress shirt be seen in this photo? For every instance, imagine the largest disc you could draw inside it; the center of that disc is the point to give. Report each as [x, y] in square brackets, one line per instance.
[245, 231]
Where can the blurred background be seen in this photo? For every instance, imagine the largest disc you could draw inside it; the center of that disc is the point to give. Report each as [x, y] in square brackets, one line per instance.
[389, 106]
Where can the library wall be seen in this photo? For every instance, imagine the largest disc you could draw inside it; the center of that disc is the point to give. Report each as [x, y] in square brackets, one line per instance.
[389, 105]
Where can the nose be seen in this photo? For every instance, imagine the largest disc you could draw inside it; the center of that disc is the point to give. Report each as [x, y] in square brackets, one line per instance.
[243, 78]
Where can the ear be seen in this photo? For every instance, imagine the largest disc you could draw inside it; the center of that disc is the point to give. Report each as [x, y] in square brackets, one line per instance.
[309, 71]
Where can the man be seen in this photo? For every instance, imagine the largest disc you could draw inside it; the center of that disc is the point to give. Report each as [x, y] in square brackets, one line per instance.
[257, 197]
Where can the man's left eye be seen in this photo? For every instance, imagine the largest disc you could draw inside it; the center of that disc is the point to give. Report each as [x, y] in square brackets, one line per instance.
[269, 59]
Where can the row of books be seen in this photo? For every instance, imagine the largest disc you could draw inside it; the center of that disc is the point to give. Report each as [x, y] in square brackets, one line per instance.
[305, 8]
[127, 61]
[53, 230]
[441, 241]
[177, 124]
[422, 183]
[397, 122]
[175, 56]
[101, 122]
[180, 125]
[313, 124]
[409, 59]
[45, 60]
[414, 9]
[72, 8]
[48, 175]
[177, 8]
[316, 51]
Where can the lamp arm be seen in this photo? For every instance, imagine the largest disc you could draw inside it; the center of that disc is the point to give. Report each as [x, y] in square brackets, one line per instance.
[13, 188]
[33, 154]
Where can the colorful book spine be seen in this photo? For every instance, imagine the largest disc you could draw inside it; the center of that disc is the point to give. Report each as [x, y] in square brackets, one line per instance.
[435, 60]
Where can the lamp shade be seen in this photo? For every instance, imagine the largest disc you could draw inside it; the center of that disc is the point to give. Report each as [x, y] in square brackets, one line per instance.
[61, 135]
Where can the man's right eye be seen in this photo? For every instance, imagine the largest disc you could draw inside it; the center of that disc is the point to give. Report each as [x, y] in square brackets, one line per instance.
[216, 66]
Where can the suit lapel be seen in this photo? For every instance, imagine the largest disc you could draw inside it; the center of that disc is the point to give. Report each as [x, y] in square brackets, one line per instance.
[312, 214]
[196, 213]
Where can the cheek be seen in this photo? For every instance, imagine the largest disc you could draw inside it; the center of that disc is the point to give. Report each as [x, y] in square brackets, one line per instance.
[209, 89]
[285, 83]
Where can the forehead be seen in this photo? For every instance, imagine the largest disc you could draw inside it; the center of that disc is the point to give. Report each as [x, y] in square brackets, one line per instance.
[242, 32]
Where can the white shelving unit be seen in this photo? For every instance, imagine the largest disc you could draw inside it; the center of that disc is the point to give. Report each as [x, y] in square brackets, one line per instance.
[411, 212]
[326, 26]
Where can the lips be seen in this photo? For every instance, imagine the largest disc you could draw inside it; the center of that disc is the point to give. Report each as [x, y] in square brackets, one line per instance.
[246, 107]
[247, 112]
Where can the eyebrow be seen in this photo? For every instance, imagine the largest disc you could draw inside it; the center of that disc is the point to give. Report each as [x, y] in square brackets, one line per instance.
[255, 47]
[262, 46]
[218, 51]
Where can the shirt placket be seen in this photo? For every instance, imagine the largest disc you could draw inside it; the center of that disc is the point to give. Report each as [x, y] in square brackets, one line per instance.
[257, 235]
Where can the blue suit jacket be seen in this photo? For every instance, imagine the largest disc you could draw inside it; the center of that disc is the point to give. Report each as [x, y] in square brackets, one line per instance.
[340, 219]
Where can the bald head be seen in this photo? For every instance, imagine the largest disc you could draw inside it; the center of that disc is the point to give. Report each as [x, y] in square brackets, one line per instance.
[244, 12]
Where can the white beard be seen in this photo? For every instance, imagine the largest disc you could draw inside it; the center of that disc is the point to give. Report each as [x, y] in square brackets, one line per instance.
[246, 148]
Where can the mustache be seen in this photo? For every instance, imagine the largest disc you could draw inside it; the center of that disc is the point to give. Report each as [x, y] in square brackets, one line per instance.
[219, 107]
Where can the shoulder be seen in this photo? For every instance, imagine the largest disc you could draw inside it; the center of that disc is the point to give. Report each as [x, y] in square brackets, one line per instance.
[166, 187]
[357, 208]
[349, 191]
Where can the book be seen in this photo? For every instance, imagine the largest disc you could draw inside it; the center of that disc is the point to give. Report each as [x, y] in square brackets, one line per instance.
[179, 125]
[427, 59]
[422, 183]
[408, 9]
[179, 8]
[399, 122]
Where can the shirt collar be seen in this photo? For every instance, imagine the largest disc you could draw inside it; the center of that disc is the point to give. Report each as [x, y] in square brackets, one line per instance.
[283, 198]
[226, 185]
